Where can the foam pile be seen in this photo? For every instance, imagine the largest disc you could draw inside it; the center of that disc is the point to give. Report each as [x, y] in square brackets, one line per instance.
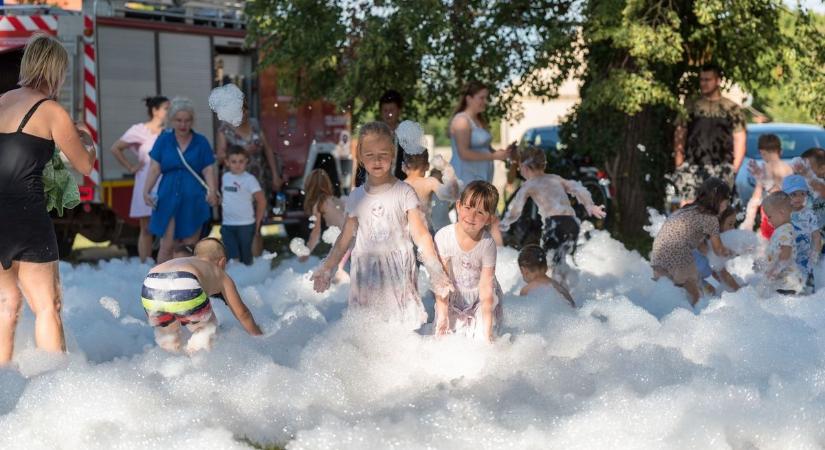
[632, 367]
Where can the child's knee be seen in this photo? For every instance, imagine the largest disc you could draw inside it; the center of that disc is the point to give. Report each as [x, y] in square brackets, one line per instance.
[203, 334]
[168, 338]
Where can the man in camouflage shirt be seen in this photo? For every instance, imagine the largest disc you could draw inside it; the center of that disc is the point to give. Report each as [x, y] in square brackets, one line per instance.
[710, 139]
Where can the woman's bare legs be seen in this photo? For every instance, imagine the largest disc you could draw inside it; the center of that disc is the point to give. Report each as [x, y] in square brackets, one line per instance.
[10, 302]
[40, 283]
[144, 240]
[167, 243]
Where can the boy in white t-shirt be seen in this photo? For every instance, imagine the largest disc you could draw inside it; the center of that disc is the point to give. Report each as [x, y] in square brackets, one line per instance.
[240, 220]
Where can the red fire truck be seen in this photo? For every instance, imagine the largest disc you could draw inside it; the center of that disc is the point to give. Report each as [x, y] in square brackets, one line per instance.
[123, 51]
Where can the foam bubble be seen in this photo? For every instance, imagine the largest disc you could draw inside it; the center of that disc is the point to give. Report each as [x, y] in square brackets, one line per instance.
[227, 102]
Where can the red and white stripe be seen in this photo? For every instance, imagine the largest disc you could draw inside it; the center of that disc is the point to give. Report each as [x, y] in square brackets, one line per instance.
[90, 97]
[16, 30]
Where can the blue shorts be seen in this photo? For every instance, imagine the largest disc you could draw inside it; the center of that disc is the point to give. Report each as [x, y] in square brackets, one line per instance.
[702, 264]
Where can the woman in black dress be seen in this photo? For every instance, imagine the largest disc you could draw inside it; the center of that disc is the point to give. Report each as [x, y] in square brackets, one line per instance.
[31, 124]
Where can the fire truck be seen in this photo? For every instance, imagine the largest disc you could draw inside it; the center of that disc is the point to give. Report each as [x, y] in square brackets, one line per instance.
[121, 52]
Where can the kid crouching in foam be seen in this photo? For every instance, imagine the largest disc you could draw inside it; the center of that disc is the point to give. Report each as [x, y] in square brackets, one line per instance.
[468, 251]
[781, 269]
[177, 293]
[532, 261]
[549, 193]
[812, 167]
[727, 221]
[808, 240]
[684, 230]
[385, 213]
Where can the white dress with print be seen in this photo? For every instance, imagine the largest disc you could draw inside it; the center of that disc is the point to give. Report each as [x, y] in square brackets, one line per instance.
[383, 270]
[464, 269]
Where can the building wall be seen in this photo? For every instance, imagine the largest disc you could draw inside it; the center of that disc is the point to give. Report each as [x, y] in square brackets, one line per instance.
[538, 112]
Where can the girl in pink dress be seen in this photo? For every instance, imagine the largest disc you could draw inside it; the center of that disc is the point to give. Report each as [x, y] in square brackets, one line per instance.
[140, 138]
[384, 212]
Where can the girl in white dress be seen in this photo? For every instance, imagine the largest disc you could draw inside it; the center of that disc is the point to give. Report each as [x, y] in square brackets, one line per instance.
[140, 138]
[384, 212]
[468, 251]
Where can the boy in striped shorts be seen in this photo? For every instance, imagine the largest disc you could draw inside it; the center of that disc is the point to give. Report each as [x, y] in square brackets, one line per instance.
[177, 293]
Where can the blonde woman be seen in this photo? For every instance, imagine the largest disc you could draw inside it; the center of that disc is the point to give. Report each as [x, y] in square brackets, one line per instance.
[31, 124]
[189, 184]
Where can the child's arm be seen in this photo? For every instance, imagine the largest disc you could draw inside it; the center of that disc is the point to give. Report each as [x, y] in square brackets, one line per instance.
[753, 206]
[441, 284]
[515, 208]
[260, 210]
[725, 277]
[321, 278]
[784, 260]
[487, 298]
[315, 234]
[583, 196]
[446, 190]
[563, 291]
[719, 248]
[237, 306]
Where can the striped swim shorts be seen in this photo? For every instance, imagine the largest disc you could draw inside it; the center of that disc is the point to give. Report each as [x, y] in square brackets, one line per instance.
[174, 296]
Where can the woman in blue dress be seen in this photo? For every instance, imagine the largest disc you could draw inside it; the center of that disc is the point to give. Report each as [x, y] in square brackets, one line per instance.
[185, 193]
[472, 155]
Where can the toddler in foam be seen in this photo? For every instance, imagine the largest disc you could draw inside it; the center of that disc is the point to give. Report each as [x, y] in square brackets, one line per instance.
[177, 293]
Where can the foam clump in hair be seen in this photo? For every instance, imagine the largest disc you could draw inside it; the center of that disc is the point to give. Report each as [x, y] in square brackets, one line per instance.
[227, 102]
[411, 137]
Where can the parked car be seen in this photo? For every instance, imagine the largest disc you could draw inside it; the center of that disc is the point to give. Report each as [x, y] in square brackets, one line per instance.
[796, 138]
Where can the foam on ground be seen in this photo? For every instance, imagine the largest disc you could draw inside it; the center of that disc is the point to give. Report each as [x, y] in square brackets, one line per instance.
[633, 367]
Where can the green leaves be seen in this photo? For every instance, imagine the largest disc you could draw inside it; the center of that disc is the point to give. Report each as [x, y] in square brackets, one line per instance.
[350, 52]
[59, 186]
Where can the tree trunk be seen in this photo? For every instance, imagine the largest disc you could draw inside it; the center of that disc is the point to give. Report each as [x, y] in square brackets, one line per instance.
[631, 187]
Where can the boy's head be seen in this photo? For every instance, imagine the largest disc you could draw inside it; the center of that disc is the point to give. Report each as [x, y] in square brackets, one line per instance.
[770, 147]
[236, 159]
[797, 189]
[727, 219]
[211, 249]
[532, 159]
[183, 251]
[777, 207]
[532, 261]
[417, 163]
[390, 105]
[477, 206]
[816, 160]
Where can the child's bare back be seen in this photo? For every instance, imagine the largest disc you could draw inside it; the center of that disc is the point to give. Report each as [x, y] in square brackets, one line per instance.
[208, 273]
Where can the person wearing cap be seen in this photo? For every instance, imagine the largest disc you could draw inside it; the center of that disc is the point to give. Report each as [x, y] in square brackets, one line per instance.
[808, 240]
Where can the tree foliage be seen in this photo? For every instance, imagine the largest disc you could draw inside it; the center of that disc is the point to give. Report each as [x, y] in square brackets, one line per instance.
[642, 58]
[350, 51]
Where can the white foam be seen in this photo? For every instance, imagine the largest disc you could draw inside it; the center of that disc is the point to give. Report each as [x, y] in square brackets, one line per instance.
[227, 102]
[298, 247]
[633, 367]
[331, 234]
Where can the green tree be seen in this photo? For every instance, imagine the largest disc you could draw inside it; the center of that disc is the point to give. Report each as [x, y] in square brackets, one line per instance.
[350, 51]
[642, 57]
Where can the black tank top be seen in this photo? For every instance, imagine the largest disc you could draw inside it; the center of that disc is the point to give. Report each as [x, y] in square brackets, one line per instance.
[22, 159]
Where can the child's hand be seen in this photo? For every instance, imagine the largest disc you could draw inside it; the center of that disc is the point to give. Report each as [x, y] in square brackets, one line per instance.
[321, 279]
[303, 258]
[725, 252]
[597, 211]
[755, 169]
[438, 163]
[747, 225]
[149, 200]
